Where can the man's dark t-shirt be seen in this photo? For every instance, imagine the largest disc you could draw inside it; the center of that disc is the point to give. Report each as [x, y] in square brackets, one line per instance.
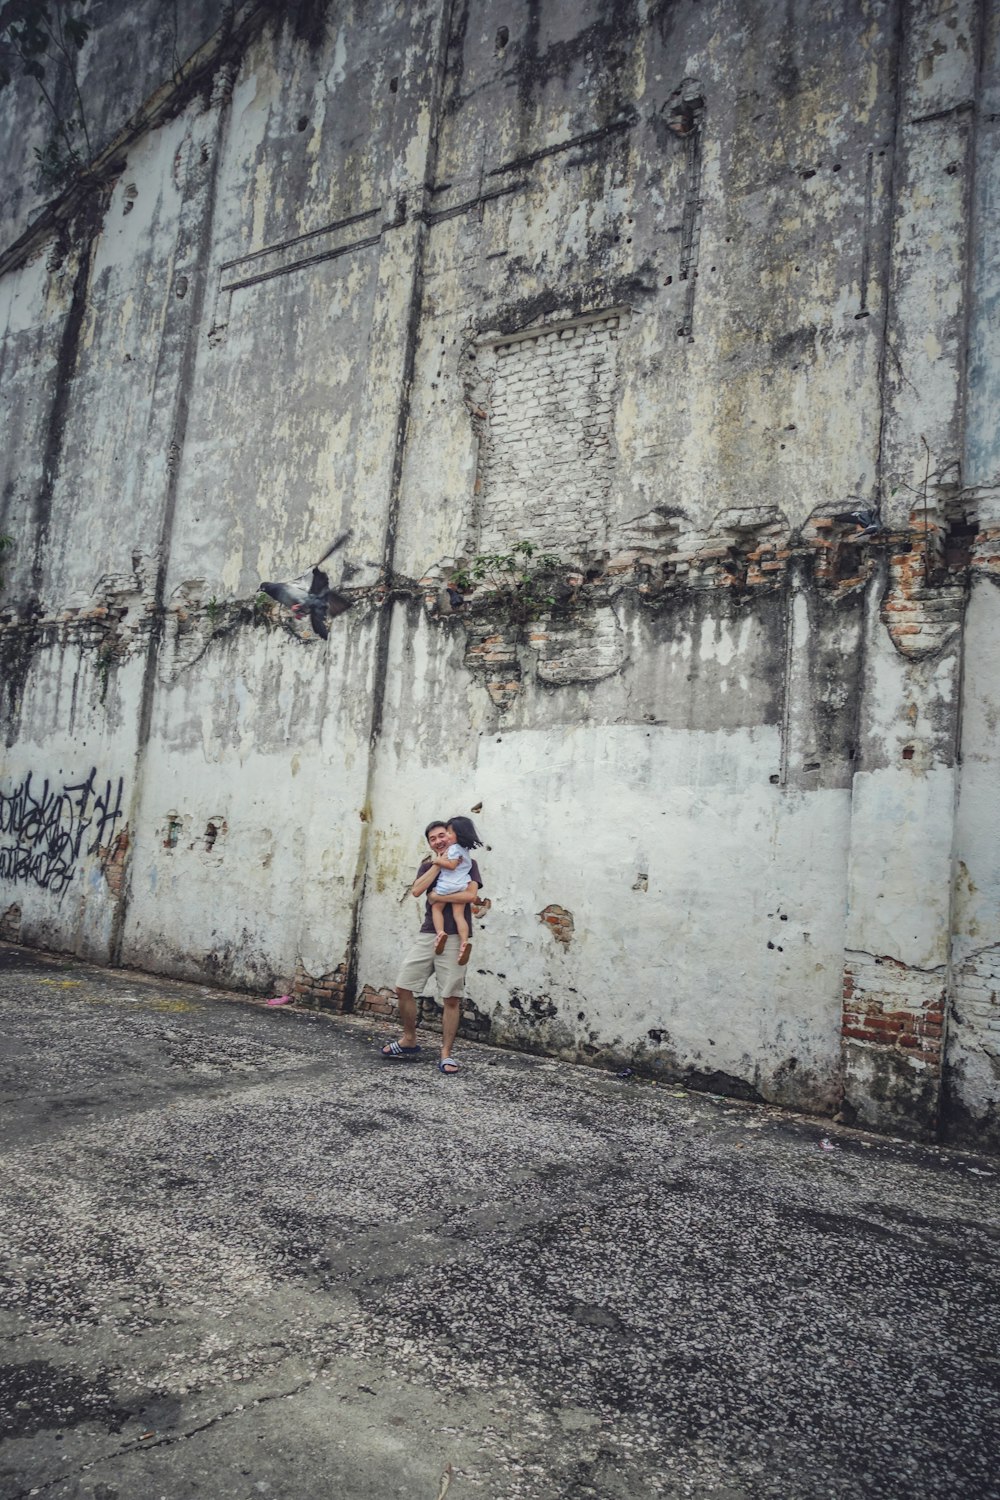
[427, 925]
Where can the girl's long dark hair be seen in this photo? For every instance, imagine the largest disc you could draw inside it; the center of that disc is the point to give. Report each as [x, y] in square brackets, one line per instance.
[465, 833]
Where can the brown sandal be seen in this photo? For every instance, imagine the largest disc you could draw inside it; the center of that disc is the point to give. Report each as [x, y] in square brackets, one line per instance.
[464, 954]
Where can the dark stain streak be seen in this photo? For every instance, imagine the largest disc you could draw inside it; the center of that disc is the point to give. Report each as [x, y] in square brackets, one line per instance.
[515, 316]
[65, 370]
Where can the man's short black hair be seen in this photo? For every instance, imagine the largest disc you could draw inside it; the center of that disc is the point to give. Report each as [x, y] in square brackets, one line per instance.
[434, 823]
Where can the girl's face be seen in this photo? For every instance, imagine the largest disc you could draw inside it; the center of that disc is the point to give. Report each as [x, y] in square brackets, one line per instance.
[452, 837]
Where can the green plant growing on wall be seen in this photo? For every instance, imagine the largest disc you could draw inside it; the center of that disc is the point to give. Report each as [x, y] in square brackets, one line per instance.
[34, 36]
[520, 578]
[263, 609]
[214, 610]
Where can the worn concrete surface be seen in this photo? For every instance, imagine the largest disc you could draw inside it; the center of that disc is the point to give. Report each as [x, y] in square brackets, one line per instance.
[243, 1257]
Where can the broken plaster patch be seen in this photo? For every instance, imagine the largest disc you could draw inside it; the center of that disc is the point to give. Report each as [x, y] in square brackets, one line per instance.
[559, 921]
[586, 648]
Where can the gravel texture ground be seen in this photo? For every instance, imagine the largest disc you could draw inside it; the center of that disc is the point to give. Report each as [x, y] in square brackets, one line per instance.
[242, 1256]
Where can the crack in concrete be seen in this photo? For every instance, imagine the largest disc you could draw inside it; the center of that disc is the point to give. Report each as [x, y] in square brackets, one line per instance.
[897, 963]
[168, 1440]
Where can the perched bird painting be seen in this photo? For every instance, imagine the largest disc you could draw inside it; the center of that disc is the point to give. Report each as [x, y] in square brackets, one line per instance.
[311, 595]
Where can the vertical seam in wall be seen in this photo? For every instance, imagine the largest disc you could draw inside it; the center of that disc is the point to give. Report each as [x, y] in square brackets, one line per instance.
[786, 682]
[895, 65]
[949, 961]
[387, 610]
[972, 221]
[691, 224]
[178, 431]
[867, 230]
[877, 586]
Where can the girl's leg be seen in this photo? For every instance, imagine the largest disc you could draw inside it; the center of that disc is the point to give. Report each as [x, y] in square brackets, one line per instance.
[437, 917]
[462, 928]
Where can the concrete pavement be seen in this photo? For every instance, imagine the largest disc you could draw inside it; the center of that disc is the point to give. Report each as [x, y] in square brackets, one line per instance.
[243, 1257]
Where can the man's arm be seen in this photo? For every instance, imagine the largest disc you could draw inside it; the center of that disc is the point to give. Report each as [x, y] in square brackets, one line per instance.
[423, 882]
[462, 898]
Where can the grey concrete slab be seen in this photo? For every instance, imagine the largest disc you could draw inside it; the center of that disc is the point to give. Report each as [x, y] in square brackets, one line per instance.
[242, 1257]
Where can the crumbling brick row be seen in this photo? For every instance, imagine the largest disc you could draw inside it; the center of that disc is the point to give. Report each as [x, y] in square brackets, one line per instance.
[326, 991]
[474, 1023]
[888, 1004]
[375, 1002]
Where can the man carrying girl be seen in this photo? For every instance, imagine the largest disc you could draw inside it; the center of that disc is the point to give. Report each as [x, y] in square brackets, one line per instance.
[425, 957]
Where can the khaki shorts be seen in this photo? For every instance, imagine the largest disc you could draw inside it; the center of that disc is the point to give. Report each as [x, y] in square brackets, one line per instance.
[421, 962]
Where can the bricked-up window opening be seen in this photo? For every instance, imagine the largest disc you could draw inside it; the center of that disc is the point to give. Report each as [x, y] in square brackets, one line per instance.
[547, 454]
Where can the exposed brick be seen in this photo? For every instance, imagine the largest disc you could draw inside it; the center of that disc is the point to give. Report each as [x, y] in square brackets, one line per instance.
[546, 457]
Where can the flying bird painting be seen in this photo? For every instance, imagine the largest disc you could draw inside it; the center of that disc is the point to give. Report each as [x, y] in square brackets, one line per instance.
[311, 595]
[869, 520]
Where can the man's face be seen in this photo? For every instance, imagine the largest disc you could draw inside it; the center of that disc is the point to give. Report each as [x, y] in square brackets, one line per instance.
[438, 840]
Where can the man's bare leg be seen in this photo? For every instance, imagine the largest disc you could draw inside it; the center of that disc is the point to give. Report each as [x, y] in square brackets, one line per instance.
[449, 1027]
[407, 1007]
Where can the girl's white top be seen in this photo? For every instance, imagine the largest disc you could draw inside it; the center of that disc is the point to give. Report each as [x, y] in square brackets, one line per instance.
[450, 881]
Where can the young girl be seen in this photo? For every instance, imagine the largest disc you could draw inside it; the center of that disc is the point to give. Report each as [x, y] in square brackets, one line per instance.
[455, 867]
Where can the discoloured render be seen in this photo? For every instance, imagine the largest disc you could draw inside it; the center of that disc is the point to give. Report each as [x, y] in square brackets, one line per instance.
[667, 291]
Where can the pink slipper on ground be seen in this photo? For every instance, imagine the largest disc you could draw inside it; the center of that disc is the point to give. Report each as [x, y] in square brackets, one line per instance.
[280, 1000]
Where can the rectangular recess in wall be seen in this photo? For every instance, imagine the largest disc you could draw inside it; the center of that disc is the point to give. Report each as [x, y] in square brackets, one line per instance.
[547, 453]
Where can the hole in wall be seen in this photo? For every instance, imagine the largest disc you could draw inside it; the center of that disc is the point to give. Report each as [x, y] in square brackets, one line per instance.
[302, 122]
[847, 563]
[959, 540]
[684, 116]
[394, 85]
[211, 834]
[503, 37]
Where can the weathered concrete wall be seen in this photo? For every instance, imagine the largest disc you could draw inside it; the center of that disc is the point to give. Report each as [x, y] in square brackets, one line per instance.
[665, 290]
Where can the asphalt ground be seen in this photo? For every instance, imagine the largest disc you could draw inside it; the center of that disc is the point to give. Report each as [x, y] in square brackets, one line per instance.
[242, 1256]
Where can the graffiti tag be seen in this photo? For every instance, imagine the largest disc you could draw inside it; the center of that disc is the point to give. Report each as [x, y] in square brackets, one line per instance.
[44, 831]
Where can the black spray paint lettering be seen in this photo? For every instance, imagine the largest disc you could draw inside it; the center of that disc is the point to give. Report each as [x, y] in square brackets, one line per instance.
[44, 832]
